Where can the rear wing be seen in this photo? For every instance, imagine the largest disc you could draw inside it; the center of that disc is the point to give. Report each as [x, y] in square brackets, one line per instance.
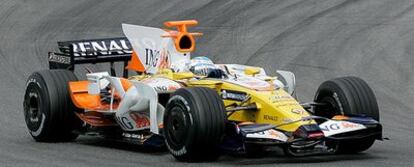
[107, 50]
[148, 48]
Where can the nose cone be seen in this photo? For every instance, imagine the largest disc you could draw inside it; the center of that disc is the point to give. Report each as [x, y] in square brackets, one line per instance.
[281, 109]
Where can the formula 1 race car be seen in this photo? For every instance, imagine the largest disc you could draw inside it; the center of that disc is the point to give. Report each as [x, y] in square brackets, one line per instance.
[195, 108]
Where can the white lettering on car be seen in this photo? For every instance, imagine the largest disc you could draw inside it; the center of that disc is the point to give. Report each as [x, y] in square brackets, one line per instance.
[100, 47]
[333, 127]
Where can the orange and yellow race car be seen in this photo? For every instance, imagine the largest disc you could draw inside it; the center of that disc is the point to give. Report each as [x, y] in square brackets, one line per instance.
[195, 108]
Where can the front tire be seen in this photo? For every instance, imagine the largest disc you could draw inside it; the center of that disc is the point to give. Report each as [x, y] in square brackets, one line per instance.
[348, 96]
[194, 124]
[48, 108]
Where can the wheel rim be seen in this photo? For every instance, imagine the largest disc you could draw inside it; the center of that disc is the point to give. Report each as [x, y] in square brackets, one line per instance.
[330, 109]
[33, 110]
[176, 126]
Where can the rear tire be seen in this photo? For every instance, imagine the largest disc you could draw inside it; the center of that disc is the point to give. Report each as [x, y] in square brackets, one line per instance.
[348, 96]
[194, 124]
[48, 108]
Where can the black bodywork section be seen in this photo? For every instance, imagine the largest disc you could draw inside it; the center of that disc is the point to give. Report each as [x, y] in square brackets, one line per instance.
[107, 50]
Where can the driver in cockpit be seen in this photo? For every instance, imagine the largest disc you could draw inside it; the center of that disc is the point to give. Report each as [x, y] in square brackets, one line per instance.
[201, 67]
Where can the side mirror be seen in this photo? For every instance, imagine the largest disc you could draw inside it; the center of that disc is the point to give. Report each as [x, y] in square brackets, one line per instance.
[251, 71]
[289, 81]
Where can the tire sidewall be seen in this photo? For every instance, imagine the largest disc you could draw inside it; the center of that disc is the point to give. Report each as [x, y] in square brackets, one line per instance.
[205, 115]
[180, 101]
[37, 87]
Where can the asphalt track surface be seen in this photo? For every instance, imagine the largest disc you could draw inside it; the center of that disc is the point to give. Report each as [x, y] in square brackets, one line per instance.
[316, 39]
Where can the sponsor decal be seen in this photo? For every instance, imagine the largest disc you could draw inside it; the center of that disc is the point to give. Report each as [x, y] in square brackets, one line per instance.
[101, 47]
[32, 80]
[161, 88]
[141, 120]
[268, 134]
[151, 57]
[286, 103]
[59, 59]
[233, 95]
[250, 82]
[273, 99]
[162, 85]
[125, 123]
[164, 59]
[154, 57]
[332, 127]
[179, 152]
[277, 98]
[134, 136]
[270, 117]
[134, 121]
[298, 111]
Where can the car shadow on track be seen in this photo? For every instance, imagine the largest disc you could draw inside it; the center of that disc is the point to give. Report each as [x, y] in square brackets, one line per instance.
[278, 157]
[275, 156]
[122, 145]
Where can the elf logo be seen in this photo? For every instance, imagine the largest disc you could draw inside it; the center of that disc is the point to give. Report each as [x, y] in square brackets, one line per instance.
[298, 111]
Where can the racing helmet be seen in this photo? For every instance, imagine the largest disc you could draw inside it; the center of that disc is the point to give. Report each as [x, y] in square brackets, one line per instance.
[202, 66]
